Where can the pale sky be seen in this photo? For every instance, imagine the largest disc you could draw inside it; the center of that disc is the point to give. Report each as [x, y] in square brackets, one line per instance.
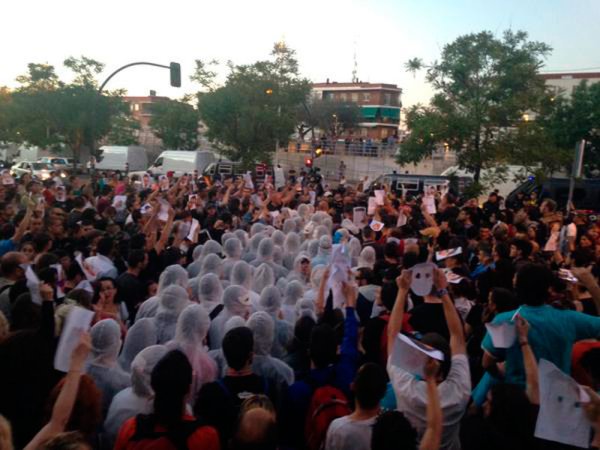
[385, 34]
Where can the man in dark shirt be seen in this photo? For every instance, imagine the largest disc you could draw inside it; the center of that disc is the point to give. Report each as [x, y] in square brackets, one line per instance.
[218, 403]
[130, 289]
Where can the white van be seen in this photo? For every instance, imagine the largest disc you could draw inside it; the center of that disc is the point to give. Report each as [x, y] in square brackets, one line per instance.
[180, 162]
[116, 157]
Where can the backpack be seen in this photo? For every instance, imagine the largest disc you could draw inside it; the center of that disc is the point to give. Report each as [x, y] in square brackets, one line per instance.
[145, 429]
[326, 404]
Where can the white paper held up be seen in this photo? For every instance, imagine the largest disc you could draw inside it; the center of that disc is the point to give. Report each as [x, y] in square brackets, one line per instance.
[376, 226]
[561, 417]
[78, 321]
[422, 278]
[429, 202]
[504, 335]
[411, 355]
[193, 228]
[119, 202]
[33, 284]
[443, 254]
[371, 206]
[340, 265]
[358, 216]
[379, 197]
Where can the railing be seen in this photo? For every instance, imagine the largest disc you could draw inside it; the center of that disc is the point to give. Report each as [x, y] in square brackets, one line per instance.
[341, 148]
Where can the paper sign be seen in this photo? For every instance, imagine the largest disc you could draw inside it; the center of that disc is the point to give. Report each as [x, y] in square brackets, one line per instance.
[248, 183]
[358, 216]
[443, 254]
[372, 206]
[340, 265]
[429, 202]
[376, 226]
[504, 335]
[78, 321]
[379, 197]
[61, 195]
[422, 278]
[567, 275]
[279, 177]
[163, 183]
[192, 234]
[313, 197]
[33, 284]
[561, 417]
[146, 208]
[120, 202]
[89, 274]
[411, 355]
[163, 214]
[402, 219]
[146, 182]
[452, 277]
[7, 178]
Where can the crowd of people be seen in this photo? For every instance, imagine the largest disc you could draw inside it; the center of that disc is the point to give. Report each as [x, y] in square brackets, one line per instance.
[236, 314]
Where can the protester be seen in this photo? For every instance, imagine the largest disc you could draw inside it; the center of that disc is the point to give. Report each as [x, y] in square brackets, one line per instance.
[280, 318]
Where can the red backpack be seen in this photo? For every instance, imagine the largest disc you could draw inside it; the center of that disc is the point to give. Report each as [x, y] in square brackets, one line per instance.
[326, 404]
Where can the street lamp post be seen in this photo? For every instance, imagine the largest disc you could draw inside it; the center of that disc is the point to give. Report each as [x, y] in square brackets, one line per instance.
[175, 79]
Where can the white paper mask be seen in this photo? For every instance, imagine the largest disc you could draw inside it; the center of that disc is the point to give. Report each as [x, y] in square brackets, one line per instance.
[422, 278]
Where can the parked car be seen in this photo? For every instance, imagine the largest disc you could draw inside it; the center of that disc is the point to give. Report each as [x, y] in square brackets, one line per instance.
[586, 194]
[39, 170]
[224, 169]
[58, 162]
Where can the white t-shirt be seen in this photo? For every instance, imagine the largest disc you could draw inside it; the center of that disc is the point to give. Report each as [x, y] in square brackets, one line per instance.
[347, 434]
[454, 392]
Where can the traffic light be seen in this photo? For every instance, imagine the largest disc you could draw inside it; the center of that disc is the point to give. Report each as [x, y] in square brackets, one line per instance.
[175, 69]
[318, 152]
[308, 162]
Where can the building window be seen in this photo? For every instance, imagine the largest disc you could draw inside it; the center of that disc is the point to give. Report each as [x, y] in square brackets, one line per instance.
[327, 95]
[387, 99]
[366, 97]
[343, 97]
[136, 107]
[355, 97]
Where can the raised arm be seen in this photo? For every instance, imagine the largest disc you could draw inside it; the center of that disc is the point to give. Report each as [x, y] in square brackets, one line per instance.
[66, 399]
[164, 235]
[433, 433]
[320, 302]
[395, 322]
[23, 226]
[529, 361]
[457, 334]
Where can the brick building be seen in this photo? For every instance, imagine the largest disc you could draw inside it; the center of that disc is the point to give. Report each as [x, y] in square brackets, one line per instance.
[380, 105]
[141, 110]
[565, 82]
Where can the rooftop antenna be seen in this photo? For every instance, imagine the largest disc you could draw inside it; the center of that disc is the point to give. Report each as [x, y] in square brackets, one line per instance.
[355, 68]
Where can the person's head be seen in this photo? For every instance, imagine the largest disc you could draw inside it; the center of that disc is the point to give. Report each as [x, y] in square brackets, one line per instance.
[389, 292]
[501, 300]
[507, 409]
[86, 415]
[56, 227]
[323, 346]
[137, 260]
[11, 265]
[171, 380]
[105, 246]
[521, 248]
[532, 284]
[369, 386]
[238, 348]
[438, 342]
[71, 440]
[105, 291]
[548, 206]
[141, 369]
[590, 361]
[257, 426]
[393, 431]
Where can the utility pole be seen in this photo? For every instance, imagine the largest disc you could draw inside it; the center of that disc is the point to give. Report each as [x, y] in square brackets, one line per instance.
[576, 171]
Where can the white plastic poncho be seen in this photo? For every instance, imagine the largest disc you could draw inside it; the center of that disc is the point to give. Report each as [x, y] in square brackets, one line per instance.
[293, 293]
[263, 330]
[172, 301]
[270, 302]
[191, 331]
[235, 303]
[210, 291]
[134, 400]
[141, 335]
[102, 362]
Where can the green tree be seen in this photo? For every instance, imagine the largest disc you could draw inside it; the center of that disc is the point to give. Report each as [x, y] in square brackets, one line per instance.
[332, 117]
[176, 124]
[256, 107]
[567, 120]
[483, 86]
[47, 112]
